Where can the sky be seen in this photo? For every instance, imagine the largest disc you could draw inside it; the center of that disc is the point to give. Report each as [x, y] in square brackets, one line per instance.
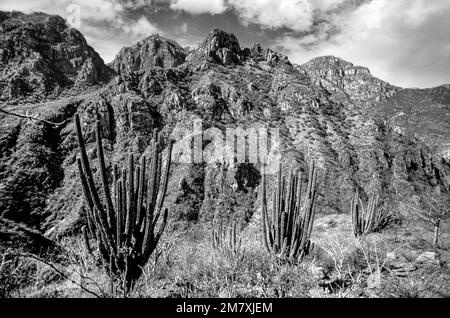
[405, 42]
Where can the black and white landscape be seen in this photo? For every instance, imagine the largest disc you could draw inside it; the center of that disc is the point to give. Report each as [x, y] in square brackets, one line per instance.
[160, 155]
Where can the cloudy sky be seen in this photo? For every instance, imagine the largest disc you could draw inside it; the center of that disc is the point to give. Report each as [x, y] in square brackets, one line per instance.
[406, 42]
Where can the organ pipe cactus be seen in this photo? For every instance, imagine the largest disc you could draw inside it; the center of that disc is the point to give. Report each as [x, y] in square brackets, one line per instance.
[365, 219]
[287, 232]
[228, 241]
[124, 220]
[86, 243]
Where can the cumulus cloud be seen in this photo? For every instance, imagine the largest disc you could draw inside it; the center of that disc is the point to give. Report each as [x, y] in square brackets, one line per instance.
[100, 10]
[104, 23]
[142, 27]
[199, 6]
[297, 15]
[293, 14]
[405, 42]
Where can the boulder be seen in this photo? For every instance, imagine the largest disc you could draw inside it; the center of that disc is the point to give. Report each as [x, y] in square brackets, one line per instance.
[428, 258]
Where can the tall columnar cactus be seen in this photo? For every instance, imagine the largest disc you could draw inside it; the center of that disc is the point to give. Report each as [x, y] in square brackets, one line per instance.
[227, 241]
[287, 232]
[124, 220]
[365, 219]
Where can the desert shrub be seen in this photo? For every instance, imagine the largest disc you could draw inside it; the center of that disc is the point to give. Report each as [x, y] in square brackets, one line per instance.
[200, 270]
[30, 174]
[372, 217]
[13, 276]
[18, 273]
[191, 195]
[432, 207]
[228, 242]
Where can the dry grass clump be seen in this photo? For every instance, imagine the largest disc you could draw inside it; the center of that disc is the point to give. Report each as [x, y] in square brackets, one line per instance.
[187, 264]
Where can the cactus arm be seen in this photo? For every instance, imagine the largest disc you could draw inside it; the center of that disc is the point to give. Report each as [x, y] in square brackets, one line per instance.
[152, 180]
[156, 208]
[266, 226]
[85, 187]
[130, 199]
[110, 215]
[291, 205]
[165, 179]
[125, 209]
[119, 216]
[283, 227]
[141, 196]
[372, 213]
[312, 217]
[86, 167]
[86, 240]
[313, 205]
[137, 184]
[296, 217]
[162, 226]
[356, 211]
[102, 233]
[98, 211]
[88, 198]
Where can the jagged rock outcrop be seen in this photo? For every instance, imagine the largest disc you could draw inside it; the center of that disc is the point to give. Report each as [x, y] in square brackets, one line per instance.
[153, 51]
[42, 55]
[218, 47]
[423, 114]
[338, 76]
[270, 56]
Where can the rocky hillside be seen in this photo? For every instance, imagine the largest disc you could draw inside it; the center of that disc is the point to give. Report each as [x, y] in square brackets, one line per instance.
[154, 51]
[327, 110]
[41, 55]
[419, 113]
[423, 113]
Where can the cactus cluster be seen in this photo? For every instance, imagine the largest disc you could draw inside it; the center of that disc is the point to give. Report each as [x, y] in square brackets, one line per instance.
[228, 241]
[124, 221]
[287, 232]
[370, 218]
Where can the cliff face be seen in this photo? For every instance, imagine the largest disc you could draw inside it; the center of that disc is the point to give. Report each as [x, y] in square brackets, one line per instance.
[353, 83]
[41, 55]
[154, 51]
[418, 113]
[327, 110]
[423, 113]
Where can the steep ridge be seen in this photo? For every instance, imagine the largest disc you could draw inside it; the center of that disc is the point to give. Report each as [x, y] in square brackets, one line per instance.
[339, 76]
[153, 51]
[42, 55]
[324, 111]
[419, 113]
[422, 113]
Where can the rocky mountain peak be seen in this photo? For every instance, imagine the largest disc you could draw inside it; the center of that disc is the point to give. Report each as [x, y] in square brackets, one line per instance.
[41, 55]
[331, 66]
[153, 51]
[339, 76]
[218, 47]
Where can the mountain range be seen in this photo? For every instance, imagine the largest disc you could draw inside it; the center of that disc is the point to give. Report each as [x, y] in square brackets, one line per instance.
[362, 132]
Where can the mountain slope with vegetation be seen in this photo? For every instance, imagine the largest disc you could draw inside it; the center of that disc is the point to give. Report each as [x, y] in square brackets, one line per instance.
[363, 133]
